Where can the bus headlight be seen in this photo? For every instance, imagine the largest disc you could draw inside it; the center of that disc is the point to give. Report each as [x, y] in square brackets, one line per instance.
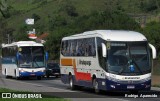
[42, 70]
[21, 70]
[112, 86]
[111, 78]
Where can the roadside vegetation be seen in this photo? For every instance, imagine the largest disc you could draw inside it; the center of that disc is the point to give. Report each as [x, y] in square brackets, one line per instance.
[61, 18]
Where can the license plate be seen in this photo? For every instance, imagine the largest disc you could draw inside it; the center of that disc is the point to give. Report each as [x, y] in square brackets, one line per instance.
[56, 73]
[130, 87]
[32, 74]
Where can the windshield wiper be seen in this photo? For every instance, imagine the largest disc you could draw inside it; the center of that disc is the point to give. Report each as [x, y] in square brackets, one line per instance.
[124, 67]
[137, 66]
[35, 62]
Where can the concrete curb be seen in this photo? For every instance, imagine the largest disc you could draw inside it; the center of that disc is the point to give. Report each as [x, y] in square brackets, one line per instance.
[155, 88]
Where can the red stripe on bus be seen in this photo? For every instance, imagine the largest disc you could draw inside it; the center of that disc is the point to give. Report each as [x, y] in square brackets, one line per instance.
[81, 75]
[78, 75]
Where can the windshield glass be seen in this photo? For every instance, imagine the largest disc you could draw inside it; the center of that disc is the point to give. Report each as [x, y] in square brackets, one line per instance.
[53, 65]
[31, 56]
[128, 57]
[38, 57]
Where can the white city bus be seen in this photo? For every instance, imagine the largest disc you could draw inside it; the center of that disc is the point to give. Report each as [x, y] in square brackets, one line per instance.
[23, 59]
[107, 60]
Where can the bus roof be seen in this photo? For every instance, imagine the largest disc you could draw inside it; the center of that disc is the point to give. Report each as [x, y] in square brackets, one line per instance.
[112, 35]
[22, 43]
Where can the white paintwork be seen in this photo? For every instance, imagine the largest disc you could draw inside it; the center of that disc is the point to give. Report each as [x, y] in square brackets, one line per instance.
[112, 35]
[31, 69]
[126, 78]
[11, 68]
[108, 35]
[153, 51]
[23, 43]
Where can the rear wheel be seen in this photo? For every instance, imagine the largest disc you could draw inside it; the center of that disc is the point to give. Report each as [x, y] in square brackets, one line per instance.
[6, 76]
[71, 84]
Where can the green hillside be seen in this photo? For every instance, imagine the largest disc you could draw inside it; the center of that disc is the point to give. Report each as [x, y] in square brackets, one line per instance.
[22, 9]
[60, 18]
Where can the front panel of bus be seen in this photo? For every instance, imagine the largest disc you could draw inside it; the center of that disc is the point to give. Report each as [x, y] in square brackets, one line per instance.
[128, 65]
[31, 61]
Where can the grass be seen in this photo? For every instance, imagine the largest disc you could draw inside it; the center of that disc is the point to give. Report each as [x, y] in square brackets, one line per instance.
[156, 85]
[47, 98]
[156, 68]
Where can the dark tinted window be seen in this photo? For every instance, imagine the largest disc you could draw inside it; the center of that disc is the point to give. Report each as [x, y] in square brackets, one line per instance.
[53, 65]
[79, 47]
[9, 51]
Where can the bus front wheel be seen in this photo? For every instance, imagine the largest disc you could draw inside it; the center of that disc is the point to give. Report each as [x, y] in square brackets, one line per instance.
[17, 78]
[95, 86]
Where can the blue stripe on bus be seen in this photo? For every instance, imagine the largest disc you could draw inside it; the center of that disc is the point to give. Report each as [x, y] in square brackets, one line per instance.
[32, 73]
[109, 83]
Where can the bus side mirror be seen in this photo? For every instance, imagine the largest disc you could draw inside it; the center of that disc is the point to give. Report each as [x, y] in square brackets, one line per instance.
[153, 51]
[104, 50]
[17, 55]
[46, 56]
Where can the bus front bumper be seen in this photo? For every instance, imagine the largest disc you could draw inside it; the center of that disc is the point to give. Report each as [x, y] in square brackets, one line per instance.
[25, 74]
[111, 85]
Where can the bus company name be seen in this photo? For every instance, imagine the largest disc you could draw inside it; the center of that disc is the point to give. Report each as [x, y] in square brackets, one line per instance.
[82, 62]
[131, 78]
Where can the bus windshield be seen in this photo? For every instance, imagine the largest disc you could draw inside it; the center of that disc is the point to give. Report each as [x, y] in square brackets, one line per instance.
[31, 57]
[128, 58]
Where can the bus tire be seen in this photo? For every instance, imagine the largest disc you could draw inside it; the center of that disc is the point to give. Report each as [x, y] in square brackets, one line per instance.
[6, 76]
[71, 84]
[39, 77]
[95, 86]
[17, 78]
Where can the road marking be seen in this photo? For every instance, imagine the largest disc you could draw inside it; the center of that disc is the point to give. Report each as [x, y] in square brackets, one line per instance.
[120, 99]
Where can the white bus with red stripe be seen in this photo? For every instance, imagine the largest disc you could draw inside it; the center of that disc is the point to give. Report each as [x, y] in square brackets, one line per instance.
[107, 60]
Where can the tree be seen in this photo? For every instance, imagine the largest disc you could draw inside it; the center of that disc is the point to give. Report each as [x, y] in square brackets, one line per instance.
[21, 34]
[36, 17]
[94, 21]
[69, 8]
[4, 9]
[151, 31]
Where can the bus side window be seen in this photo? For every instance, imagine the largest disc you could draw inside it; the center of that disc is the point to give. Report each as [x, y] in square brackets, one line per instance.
[62, 48]
[65, 48]
[79, 47]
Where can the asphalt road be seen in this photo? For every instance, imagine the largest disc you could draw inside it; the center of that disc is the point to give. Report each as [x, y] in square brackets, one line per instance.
[54, 87]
